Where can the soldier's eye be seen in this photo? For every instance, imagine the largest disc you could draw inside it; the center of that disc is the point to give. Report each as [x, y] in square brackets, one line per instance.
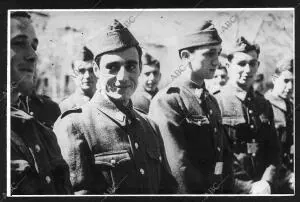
[253, 63]
[242, 63]
[81, 71]
[113, 67]
[131, 67]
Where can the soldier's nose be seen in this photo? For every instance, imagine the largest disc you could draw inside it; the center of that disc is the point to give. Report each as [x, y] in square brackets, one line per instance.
[122, 74]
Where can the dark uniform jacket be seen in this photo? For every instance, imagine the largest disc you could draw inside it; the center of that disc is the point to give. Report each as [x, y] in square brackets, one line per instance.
[197, 149]
[37, 166]
[112, 150]
[248, 118]
[77, 99]
[283, 117]
[42, 108]
[141, 100]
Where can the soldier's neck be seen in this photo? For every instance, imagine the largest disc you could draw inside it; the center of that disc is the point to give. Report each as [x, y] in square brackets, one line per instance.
[88, 93]
[196, 79]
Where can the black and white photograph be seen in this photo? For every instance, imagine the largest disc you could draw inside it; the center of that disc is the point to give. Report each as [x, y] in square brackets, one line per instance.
[164, 102]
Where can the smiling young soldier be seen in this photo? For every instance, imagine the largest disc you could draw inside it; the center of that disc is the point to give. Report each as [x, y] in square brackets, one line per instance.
[189, 118]
[110, 147]
[248, 118]
[84, 78]
[37, 166]
[279, 97]
[149, 79]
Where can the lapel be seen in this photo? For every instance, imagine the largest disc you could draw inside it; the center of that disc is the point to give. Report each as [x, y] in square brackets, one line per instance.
[122, 115]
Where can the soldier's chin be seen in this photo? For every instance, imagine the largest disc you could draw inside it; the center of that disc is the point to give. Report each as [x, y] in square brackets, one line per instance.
[26, 88]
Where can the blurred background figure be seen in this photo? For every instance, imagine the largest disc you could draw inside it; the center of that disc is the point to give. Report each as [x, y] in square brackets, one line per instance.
[220, 77]
[279, 97]
[148, 82]
[258, 85]
[85, 80]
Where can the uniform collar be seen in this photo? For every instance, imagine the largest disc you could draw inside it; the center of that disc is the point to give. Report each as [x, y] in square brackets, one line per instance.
[123, 115]
[199, 91]
[276, 101]
[241, 93]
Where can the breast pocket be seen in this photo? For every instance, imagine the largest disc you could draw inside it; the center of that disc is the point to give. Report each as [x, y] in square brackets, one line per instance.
[116, 167]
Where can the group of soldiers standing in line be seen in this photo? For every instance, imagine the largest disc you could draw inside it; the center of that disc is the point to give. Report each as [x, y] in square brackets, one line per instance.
[114, 137]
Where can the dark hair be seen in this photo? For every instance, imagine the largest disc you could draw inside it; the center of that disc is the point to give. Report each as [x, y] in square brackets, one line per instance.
[139, 50]
[86, 55]
[20, 14]
[148, 59]
[284, 65]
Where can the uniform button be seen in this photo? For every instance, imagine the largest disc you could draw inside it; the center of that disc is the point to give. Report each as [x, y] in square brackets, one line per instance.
[159, 158]
[129, 121]
[37, 148]
[211, 111]
[250, 111]
[219, 149]
[48, 179]
[142, 171]
[252, 126]
[216, 130]
[31, 113]
[23, 120]
[136, 145]
[249, 99]
[113, 161]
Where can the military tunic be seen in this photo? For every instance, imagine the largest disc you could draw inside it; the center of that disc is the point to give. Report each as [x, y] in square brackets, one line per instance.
[113, 150]
[42, 108]
[248, 119]
[77, 99]
[141, 100]
[283, 117]
[196, 146]
[37, 167]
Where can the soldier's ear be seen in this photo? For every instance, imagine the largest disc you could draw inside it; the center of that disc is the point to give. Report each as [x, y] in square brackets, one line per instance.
[96, 69]
[185, 54]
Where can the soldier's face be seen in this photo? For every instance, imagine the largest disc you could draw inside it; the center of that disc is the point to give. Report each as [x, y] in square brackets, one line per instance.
[118, 74]
[84, 75]
[204, 61]
[220, 77]
[243, 68]
[283, 84]
[150, 77]
[23, 42]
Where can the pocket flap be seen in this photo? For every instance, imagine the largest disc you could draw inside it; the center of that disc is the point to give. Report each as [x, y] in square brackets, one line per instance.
[112, 158]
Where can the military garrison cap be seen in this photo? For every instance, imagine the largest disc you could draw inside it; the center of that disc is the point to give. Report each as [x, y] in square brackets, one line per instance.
[242, 45]
[205, 34]
[115, 37]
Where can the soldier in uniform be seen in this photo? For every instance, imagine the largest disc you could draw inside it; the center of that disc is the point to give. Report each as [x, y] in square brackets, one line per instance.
[190, 120]
[220, 78]
[248, 119]
[279, 97]
[37, 166]
[148, 82]
[109, 146]
[84, 78]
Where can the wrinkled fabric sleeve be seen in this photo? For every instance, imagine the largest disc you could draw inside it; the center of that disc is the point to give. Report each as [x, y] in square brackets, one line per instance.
[166, 112]
[76, 153]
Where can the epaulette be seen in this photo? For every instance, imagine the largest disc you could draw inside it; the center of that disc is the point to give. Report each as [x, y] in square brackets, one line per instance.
[173, 90]
[70, 111]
